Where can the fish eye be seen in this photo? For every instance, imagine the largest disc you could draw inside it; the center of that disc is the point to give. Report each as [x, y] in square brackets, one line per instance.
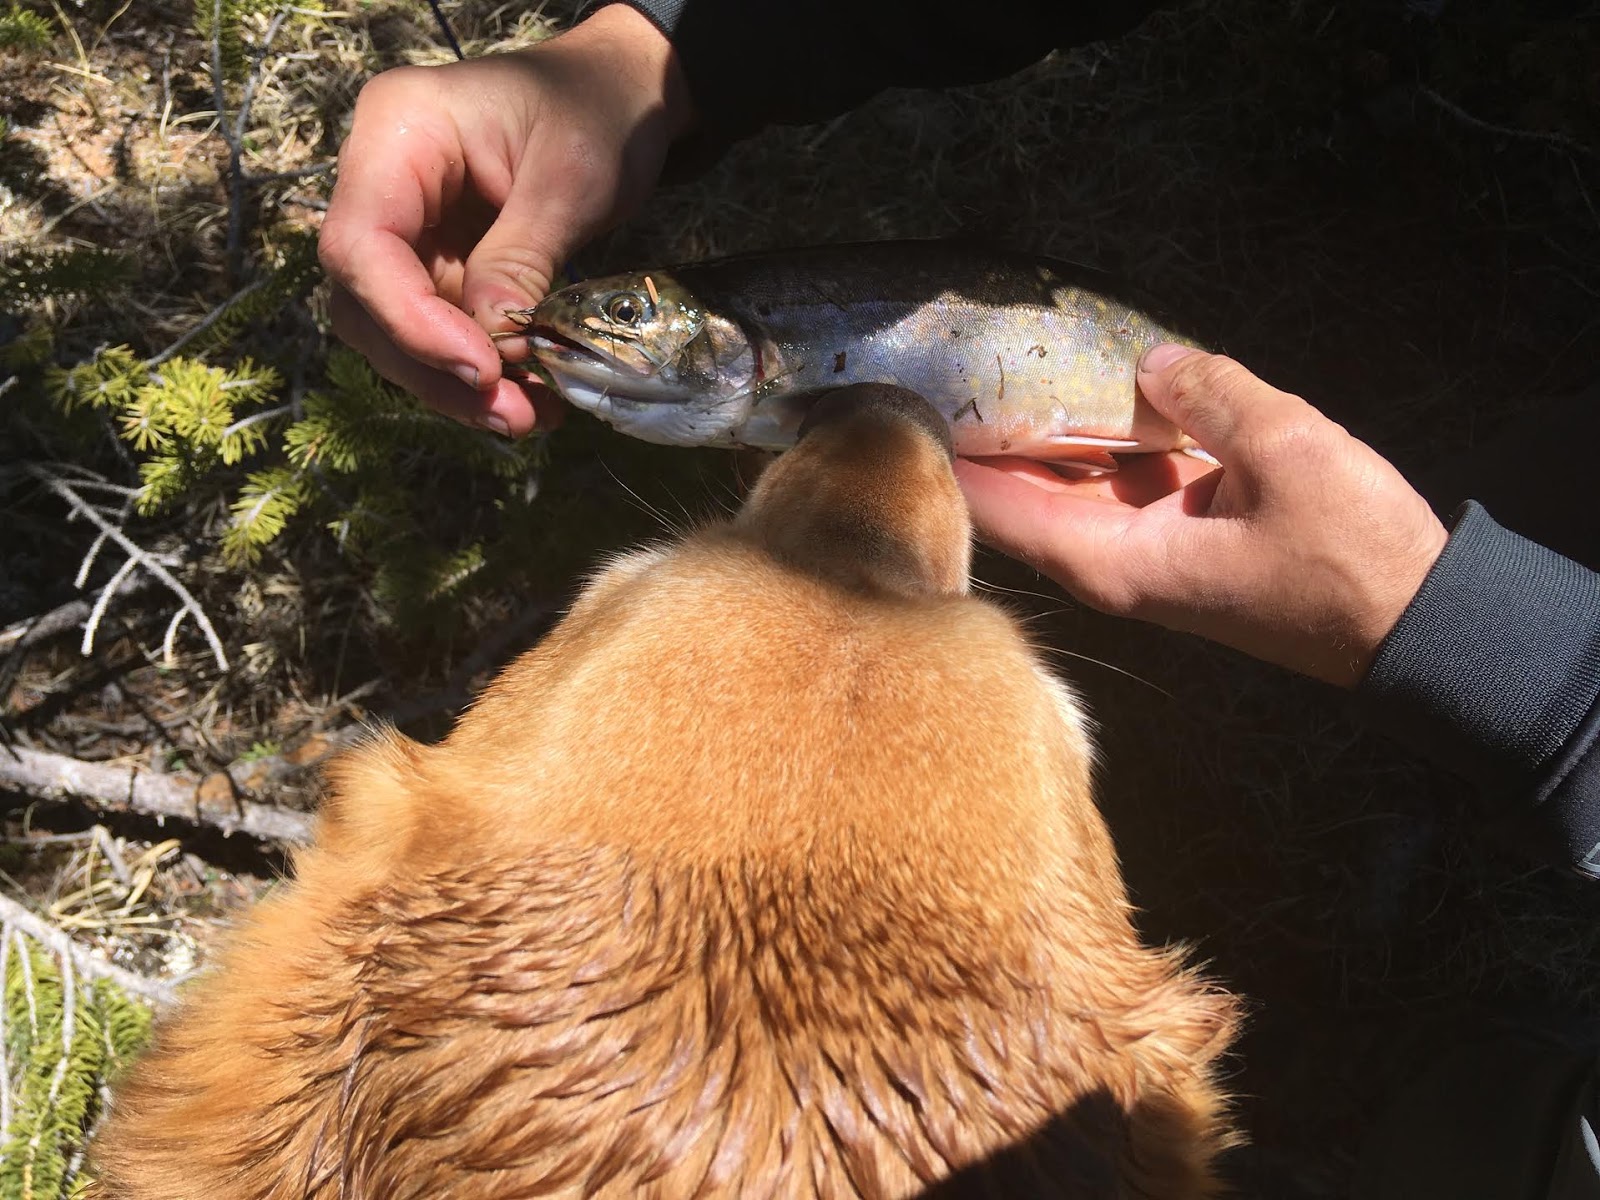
[626, 309]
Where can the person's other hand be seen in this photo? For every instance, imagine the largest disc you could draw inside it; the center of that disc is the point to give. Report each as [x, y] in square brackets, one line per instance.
[1303, 550]
[463, 188]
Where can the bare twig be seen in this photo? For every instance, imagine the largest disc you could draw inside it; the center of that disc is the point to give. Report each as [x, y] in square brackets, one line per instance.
[93, 480]
[243, 423]
[69, 1027]
[146, 560]
[1559, 140]
[219, 84]
[128, 788]
[71, 615]
[128, 497]
[172, 633]
[89, 201]
[98, 612]
[534, 615]
[99, 483]
[91, 556]
[285, 176]
[15, 916]
[205, 323]
[238, 181]
[113, 856]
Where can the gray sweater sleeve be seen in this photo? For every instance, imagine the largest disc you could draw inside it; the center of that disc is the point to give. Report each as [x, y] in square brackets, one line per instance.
[1494, 671]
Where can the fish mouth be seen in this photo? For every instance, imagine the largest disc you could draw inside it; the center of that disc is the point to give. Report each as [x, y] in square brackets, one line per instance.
[595, 380]
[547, 341]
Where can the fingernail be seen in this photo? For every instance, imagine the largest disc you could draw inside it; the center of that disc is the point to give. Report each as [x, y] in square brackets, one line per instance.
[495, 424]
[1159, 358]
[467, 375]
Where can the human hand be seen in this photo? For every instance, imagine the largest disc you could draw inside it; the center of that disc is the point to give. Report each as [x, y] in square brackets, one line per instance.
[1303, 550]
[463, 188]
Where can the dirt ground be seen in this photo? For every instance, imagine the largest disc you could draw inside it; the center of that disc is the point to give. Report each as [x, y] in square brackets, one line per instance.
[1388, 208]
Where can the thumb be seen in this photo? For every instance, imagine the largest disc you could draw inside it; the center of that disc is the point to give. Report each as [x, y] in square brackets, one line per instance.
[516, 261]
[1216, 401]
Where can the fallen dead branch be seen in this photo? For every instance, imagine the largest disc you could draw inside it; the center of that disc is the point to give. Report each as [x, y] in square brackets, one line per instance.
[224, 799]
[110, 787]
[1548, 137]
[145, 559]
[15, 916]
[30, 631]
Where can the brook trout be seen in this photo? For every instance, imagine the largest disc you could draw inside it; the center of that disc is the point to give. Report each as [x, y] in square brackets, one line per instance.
[1022, 355]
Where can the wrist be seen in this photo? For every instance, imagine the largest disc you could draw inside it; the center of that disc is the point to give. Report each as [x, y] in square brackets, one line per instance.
[1400, 585]
[645, 59]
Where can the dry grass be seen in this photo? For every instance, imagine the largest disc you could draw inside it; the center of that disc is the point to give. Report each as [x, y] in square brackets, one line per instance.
[1281, 174]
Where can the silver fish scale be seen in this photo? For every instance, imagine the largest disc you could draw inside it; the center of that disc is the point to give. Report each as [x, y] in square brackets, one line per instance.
[1015, 351]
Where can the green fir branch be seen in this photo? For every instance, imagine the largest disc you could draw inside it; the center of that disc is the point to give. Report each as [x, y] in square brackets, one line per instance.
[225, 21]
[65, 1040]
[30, 349]
[24, 30]
[109, 380]
[289, 280]
[263, 508]
[28, 277]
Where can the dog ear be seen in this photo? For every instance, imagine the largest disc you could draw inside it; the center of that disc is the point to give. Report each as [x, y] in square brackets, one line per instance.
[370, 808]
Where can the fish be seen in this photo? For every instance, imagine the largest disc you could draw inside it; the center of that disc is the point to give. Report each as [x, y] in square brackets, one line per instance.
[1023, 355]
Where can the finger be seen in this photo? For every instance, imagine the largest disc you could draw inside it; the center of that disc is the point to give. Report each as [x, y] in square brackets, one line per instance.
[549, 409]
[505, 407]
[514, 263]
[1140, 480]
[1070, 537]
[1029, 470]
[393, 183]
[1216, 401]
[1196, 498]
[561, 192]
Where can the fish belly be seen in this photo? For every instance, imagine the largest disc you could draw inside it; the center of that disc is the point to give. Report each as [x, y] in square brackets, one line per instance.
[1048, 383]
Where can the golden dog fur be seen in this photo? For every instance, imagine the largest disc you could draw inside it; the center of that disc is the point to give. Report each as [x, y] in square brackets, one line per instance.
[774, 870]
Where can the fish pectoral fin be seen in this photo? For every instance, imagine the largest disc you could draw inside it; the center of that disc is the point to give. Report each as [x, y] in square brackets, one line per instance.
[1202, 455]
[1065, 439]
[1083, 461]
[1082, 454]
